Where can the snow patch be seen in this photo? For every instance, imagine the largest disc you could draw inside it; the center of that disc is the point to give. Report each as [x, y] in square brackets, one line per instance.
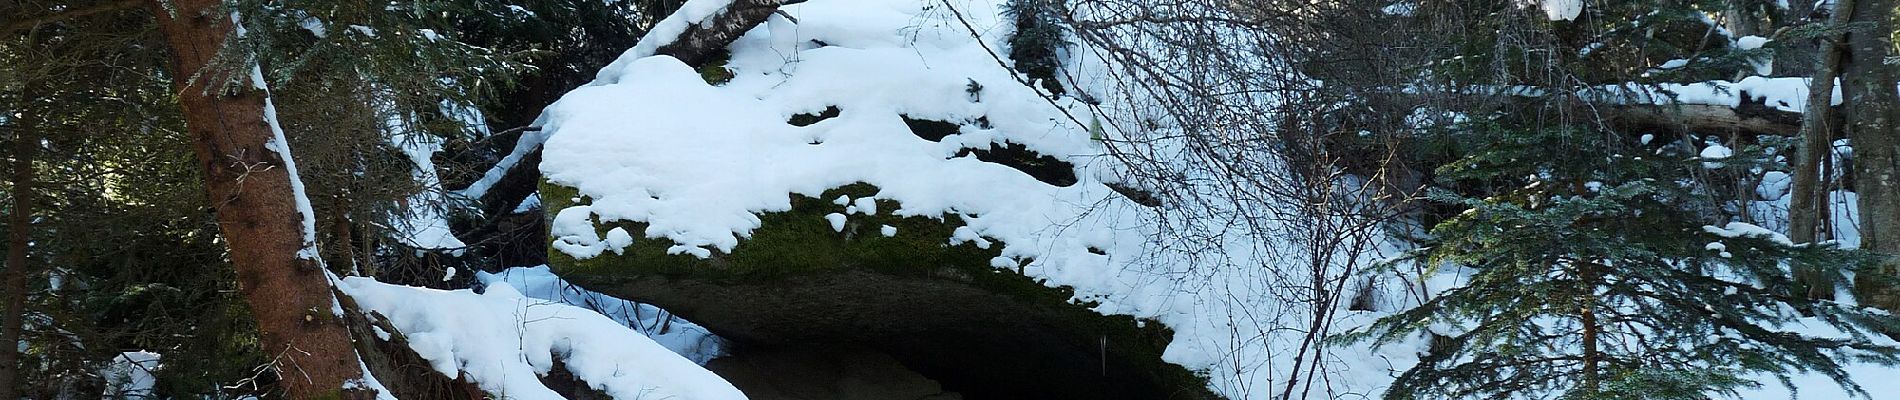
[132, 375]
[1562, 10]
[681, 336]
[503, 341]
[1743, 229]
[1715, 151]
[1750, 42]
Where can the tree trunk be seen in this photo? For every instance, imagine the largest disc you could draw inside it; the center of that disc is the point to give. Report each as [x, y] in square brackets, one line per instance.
[19, 227]
[707, 40]
[1587, 318]
[1748, 118]
[1742, 19]
[1808, 202]
[1868, 87]
[260, 207]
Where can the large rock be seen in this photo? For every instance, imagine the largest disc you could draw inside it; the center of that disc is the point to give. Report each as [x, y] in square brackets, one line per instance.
[940, 309]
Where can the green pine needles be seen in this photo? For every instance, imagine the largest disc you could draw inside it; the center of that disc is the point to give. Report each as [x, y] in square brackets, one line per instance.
[1038, 40]
[1597, 268]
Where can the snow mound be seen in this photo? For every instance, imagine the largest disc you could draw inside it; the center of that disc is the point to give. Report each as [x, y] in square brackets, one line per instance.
[504, 341]
[698, 163]
[650, 141]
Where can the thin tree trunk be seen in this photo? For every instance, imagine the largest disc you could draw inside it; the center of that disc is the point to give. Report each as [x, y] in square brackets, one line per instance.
[261, 211]
[19, 227]
[1808, 202]
[1591, 380]
[340, 227]
[1742, 21]
[1826, 226]
[1868, 86]
[1587, 316]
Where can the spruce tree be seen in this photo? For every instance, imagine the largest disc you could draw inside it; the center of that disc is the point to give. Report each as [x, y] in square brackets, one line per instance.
[128, 235]
[1608, 275]
[1039, 37]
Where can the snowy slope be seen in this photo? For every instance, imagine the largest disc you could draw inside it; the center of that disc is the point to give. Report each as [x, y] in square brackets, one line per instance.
[651, 141]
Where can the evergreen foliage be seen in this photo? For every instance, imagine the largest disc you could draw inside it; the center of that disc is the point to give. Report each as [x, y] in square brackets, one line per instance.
[1036, 45]
[125, 229]
[564, 41]
[1515, 43]
[1612, 275]
[124, 255]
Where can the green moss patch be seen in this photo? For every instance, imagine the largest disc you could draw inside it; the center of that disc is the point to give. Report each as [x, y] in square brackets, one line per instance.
[940, 308]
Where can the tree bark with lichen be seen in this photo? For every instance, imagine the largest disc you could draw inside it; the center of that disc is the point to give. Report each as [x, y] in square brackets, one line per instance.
[1867, 85]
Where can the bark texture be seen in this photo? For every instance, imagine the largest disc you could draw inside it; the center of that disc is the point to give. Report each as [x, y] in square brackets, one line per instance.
[1808, 204]
[1748, 118]
[20, 228]
[251, 190]
[707, 40]
[1867, 85]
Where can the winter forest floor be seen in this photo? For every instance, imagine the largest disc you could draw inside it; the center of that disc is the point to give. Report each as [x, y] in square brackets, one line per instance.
[950, 199]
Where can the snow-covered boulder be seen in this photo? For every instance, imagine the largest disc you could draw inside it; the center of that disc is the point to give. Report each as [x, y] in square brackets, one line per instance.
[869, 174]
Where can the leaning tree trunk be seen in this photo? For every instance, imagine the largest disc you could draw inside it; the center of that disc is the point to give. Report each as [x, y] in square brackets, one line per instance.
[252, 185]
[706, 40]
[1808, 202]
[1869, 90]
[19, 227]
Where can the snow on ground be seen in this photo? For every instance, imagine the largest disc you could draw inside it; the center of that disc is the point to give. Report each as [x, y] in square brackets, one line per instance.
[504, 340]
[1770, 209]
[1877, 380]
[1562, 10]
[528, 141]
[131, 375]
[426, 226]
[681, 336]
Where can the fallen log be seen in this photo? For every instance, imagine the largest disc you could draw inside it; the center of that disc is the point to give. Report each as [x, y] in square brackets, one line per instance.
[1751, 118]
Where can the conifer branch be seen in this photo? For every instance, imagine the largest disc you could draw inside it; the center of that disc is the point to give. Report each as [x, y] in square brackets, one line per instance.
[101, 8]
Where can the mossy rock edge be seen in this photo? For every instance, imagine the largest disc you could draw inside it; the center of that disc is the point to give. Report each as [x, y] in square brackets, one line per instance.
[941, 309]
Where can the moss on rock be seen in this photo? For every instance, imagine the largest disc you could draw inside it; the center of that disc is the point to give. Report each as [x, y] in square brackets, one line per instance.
[942, 309]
